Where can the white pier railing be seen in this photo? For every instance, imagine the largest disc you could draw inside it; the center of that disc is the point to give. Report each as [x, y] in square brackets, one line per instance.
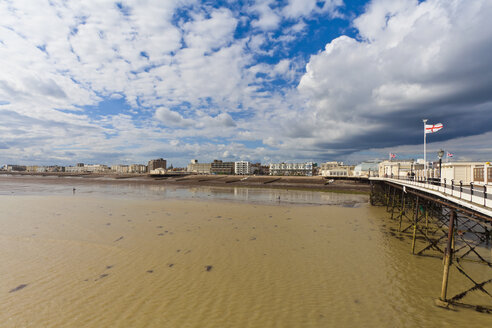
[473, 194]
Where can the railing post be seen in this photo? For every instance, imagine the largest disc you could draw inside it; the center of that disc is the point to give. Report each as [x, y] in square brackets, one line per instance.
[461, 187]
[444, 185]
[452, 187]
[484, 195]
[471, 191]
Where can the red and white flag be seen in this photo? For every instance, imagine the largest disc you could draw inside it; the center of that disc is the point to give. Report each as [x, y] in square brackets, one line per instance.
[392, 155]
[431, 128]
[449, 154]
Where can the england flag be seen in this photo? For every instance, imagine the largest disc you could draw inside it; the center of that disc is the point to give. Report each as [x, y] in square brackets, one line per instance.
[431, 128]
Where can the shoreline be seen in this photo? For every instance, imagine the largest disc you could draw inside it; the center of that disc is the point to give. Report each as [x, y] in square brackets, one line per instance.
[315, 184]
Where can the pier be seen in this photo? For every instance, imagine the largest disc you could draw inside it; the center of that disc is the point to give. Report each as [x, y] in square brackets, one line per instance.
[448, 221]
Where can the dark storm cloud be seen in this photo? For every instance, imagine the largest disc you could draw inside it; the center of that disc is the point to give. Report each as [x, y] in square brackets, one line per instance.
[374, 92]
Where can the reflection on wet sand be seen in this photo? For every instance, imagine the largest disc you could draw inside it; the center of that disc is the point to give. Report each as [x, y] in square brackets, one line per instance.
[22, 186]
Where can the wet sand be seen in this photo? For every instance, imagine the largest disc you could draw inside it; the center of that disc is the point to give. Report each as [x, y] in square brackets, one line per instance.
[149, 189]
[93, 261]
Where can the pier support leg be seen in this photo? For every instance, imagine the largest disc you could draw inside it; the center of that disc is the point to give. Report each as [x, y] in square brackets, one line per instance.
[371, 196]
[426, 222]
[416, 218]
[447, 257]
[393, 203]
[387, 197]
[402, 211]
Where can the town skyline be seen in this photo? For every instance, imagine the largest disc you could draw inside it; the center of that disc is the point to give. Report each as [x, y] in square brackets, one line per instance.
[262, 81]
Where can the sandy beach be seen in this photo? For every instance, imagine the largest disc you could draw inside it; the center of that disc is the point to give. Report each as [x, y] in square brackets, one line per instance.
[105, 259]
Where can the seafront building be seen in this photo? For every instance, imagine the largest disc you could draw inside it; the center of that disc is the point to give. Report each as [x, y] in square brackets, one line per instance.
[259, 169]
[466, 173]
[336, 169]
[87, 168]
[139, 168]
[96, 168]
[119, 169]
[158, 171]
[242, 167]
[156, 163]
[44, 169]
[216, 167]
[367, 169]
[305, 169]
[330, 165]
[14, 168]
[400, 169]
[199, 168]
[479, 173]
[220, 167]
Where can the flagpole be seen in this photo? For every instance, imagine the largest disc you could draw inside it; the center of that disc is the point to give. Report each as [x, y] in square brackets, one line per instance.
[425, 150]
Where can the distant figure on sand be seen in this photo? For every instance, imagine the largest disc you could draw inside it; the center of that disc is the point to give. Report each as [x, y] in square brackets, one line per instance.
[73, 191]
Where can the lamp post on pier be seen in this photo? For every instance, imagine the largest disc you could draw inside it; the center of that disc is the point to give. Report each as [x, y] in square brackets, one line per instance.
[425, 150]
[440, 153]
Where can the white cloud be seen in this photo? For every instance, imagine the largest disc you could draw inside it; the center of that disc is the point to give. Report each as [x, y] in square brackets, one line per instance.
[304, 8]
[222, 120]
[210, 33]
[268, 18]
[171, 118]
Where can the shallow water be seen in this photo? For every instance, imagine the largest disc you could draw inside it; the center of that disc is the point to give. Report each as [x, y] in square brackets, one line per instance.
[97, 261]
[97, 187]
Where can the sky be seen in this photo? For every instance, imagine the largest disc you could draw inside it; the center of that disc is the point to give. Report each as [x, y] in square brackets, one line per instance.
[121, 82]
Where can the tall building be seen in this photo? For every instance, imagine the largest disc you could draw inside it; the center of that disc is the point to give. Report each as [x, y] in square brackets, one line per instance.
[242, 167]
[156, 163]
[219, 167]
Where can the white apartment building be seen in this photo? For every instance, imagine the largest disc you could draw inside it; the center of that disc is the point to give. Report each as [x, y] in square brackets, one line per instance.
[242, 167]
[74, 169]
[96, 168]
[305, 169]
[120, 169]
[137, 168]
[87, 168]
